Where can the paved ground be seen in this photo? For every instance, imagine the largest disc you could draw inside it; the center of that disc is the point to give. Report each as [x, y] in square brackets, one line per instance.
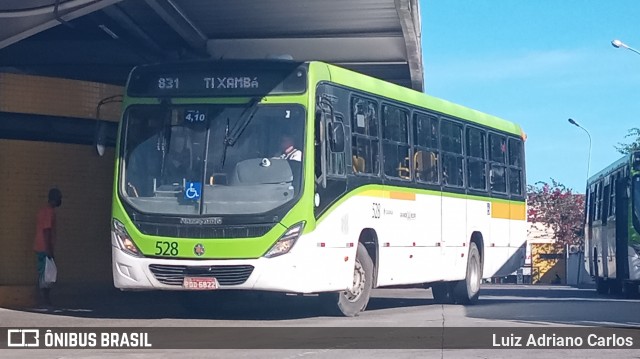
[500, 306]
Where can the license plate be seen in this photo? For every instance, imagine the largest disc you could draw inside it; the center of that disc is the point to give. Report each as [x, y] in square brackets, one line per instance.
[196, 283]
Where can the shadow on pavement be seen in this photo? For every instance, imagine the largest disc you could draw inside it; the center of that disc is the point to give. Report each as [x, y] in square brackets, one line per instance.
[554, 304]
[497, 302]
[224, 305]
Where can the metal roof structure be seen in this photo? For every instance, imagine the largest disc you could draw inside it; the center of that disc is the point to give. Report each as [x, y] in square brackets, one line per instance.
[101, 40]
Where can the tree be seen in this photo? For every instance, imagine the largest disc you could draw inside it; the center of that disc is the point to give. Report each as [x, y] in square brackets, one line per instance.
[557, 207]
[626, 148]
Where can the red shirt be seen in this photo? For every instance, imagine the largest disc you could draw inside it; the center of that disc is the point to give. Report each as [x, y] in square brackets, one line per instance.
[46, 220]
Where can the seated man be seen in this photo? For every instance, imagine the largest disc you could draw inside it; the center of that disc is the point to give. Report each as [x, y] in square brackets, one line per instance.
[289, 152]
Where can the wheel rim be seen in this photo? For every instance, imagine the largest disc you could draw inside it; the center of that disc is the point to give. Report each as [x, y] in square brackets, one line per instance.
[474, 275]
[359, 280]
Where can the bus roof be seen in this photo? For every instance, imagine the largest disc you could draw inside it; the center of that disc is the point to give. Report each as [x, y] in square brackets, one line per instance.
[399, 93]
[337, 75]
[619, 163]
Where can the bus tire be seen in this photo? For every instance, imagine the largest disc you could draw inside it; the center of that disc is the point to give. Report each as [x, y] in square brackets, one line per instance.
[442, 293]
[631, 289]
[615, 286]
[601, 284]
[467, 291]
[352, 302]
[602, 287]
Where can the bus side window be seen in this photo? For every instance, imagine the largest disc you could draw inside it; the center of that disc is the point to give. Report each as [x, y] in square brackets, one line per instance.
[452, 155]
[497, 158]
[612, 200]
[336, 165]
[395, 142]
[598, 212]
[476, 159]
[515, 167]
[592, 204]
[605, 203]
[364, 133]
[425, 140]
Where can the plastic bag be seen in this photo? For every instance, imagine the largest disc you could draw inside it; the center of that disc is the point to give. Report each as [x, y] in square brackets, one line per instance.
[50, 273]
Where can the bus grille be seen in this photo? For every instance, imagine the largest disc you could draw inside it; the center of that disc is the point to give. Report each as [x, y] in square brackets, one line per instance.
[225, 274]
[187, 231]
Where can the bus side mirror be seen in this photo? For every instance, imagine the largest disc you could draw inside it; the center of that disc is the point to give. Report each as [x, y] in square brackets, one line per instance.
[105, 132]
[100, 137]
[105, 136]
[336, 136]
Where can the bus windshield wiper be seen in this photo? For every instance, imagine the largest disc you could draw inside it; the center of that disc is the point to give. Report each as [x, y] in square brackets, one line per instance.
[230, 137]
[225, 144]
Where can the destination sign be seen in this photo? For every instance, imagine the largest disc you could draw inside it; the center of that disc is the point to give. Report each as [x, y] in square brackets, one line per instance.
[210, 79]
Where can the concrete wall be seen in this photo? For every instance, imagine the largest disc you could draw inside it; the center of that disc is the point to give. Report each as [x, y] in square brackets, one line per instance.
[56, 97]
[28, 169]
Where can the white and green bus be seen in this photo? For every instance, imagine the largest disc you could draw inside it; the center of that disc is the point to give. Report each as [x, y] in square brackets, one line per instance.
[310, 178]
[612, 226]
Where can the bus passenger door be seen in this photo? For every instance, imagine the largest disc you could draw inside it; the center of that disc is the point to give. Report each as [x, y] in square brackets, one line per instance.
[621, 218]
[330, 174]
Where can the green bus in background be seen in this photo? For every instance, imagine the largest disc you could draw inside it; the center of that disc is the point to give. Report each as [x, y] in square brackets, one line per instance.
[612, 226]
[306, 177]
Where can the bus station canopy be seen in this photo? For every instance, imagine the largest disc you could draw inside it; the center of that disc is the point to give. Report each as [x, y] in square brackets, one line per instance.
[101, 40]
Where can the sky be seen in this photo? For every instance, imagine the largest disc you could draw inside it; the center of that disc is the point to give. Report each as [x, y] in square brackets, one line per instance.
[539, 63]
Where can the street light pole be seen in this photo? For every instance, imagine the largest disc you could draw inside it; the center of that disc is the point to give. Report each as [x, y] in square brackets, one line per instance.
[586, 194]
[618, 44]
[573, 122]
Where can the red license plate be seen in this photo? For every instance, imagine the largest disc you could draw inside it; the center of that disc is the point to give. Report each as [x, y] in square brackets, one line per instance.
[196, 283]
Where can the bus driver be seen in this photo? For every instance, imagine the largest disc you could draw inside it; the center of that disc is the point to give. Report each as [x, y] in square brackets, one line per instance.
[289, 152]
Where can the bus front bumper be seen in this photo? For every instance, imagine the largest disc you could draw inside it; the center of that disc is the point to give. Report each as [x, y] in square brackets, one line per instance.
[306, 271]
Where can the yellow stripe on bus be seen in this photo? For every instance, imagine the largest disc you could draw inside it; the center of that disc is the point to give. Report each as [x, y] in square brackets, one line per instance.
[518, 211]
[407, 196]
[515, 211]
[375, 193]
[500, 210]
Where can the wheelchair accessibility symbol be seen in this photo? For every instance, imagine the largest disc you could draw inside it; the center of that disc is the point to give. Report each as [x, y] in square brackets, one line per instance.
[193, 191]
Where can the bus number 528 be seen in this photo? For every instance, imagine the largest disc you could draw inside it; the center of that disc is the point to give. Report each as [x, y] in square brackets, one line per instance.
[166, 249]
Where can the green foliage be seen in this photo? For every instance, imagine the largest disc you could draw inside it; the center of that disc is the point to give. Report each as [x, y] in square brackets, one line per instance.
[626, 148]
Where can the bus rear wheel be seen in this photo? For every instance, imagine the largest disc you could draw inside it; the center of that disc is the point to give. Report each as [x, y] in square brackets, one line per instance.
[353, 301]
[631, 289]
[467, 291]
[602, 287]
[615, 286]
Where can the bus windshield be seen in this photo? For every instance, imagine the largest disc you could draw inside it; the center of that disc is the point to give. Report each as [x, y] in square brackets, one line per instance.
[212, 159]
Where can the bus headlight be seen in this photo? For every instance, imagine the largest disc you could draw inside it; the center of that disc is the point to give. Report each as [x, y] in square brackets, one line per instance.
[284, 244]
[123, 239]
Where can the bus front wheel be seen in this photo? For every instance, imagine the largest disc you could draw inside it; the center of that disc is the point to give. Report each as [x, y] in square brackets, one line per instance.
[354, 300]
[630, 289]
[442, 293]
[467, 291]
